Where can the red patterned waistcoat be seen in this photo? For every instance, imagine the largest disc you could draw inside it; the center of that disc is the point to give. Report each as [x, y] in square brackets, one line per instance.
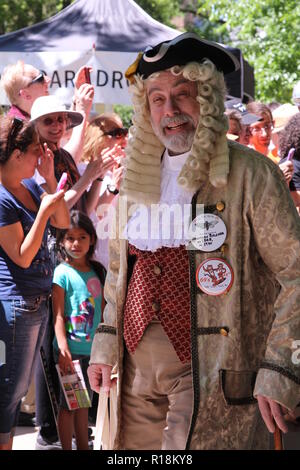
[159, 286]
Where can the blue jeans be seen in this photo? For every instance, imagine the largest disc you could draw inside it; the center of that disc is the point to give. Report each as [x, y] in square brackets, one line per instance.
[22, 326]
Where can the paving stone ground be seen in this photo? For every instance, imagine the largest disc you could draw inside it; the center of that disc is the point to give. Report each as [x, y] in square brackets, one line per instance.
[25, 439]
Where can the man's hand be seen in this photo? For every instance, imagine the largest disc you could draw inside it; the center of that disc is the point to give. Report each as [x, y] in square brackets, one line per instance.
[272, 412]
[99, 376]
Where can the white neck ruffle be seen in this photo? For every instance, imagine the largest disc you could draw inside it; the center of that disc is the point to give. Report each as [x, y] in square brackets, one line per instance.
[164, 224]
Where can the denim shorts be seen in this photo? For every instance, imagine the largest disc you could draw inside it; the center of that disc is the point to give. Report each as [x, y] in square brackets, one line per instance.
[22, 326]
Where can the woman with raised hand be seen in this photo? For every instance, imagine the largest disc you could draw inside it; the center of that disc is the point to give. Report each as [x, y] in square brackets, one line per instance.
[25, 266]
[105, 140]
[52, 119]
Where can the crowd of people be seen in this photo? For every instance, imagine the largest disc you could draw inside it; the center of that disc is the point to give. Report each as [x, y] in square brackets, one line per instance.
[41, 122]
[272, 130]
[200, 330]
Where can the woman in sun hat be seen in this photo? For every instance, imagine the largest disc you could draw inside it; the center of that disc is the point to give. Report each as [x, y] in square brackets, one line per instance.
[52, 119]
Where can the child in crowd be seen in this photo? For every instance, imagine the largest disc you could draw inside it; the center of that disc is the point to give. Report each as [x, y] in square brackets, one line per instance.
[77, 299]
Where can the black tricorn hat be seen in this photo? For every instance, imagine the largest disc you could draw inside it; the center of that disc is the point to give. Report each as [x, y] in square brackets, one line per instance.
[187, 47]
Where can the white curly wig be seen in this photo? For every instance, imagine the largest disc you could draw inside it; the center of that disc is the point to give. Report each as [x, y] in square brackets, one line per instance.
[209, 156]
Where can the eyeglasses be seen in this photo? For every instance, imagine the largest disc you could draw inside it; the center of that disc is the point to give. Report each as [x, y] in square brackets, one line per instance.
[48, 121]
[17, 124]
[258, 130]
[118, 132]
[40, 78]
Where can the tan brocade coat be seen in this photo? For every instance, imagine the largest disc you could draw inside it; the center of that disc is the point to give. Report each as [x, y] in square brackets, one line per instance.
[261, 312]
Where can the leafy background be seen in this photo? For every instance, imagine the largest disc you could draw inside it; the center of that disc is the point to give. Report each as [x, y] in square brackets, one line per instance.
[267, 31]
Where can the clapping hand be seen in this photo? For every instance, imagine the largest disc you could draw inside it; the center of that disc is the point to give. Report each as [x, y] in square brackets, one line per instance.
[98, 168]
[117, 152]
[117, 175]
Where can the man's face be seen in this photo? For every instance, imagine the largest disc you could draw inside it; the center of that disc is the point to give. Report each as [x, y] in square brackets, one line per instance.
[261, 132]
[174, 110]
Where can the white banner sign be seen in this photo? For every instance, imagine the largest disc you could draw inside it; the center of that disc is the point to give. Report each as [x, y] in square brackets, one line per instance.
[111, 86]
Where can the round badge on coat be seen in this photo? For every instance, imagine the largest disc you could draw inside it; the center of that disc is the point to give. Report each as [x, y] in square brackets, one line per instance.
[207, 232]
[214, 276]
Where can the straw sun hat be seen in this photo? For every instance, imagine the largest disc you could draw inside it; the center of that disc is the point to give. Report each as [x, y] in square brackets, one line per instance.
[282, 115]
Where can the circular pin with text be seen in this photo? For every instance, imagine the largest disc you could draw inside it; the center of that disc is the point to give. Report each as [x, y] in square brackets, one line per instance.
[207, 232]
[214, 276]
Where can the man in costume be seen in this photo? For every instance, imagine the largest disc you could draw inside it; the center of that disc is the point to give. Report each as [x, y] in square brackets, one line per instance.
[201, 364]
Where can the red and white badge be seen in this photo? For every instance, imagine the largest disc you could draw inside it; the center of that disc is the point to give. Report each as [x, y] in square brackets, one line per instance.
[214, 276]
[207, 232]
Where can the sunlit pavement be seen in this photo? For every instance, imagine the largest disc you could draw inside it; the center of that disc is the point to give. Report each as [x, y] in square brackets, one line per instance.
[25, 438]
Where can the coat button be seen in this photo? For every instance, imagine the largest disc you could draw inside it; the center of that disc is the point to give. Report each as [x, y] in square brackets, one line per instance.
[223, 332]
[157, 270]
[220, 206]
[155, 306]
[223, 249]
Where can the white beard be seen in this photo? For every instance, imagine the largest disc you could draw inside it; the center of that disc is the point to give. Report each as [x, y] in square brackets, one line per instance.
[179, 143]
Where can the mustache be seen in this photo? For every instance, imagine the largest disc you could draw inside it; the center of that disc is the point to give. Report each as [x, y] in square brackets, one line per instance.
[176, 120]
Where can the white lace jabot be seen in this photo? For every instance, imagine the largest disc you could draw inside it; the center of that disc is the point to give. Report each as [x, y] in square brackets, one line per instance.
[163, 224]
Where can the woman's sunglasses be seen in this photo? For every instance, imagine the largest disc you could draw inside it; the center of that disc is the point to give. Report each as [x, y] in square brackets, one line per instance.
[48, 121]
[17, 124]
[40, 78]
[118, 132]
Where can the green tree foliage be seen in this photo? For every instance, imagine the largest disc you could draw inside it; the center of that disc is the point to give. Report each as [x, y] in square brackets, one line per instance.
[268, 33]
[125, 112]
[17, 14]
[161, 10]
